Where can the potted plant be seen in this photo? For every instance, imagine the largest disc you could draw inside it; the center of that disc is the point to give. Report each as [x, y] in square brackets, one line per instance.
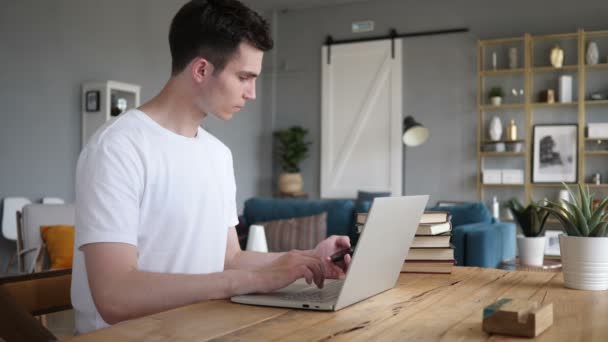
[584, 248]
[531, 220]
[292, 149]
[496, 95]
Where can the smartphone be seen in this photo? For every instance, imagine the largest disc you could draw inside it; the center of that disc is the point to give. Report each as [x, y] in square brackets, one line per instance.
[339, 256]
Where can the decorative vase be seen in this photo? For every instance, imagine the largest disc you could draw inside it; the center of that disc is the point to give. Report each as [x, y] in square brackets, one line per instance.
[593, 53]
[584, 262]
[290, 183]
[512, 131]
[496, 100]
[495, 129]
[531, 250]
[513, 58]
[557, 57]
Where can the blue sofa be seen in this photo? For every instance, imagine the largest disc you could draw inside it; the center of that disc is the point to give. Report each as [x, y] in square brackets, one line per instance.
[478, 240]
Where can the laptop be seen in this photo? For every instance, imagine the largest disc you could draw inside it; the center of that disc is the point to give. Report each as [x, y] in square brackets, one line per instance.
[375, 266]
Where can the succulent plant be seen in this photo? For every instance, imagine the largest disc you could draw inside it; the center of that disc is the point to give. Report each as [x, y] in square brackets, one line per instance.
[531, 219]
[578, 216]
[496, 92]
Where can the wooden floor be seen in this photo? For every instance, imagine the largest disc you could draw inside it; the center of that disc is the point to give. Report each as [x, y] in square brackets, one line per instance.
[421, 308]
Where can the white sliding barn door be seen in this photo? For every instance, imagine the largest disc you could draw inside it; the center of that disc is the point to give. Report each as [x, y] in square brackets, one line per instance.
[361, 119]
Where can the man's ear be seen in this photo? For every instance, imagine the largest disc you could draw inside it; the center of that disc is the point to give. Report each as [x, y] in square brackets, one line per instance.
[200, 69]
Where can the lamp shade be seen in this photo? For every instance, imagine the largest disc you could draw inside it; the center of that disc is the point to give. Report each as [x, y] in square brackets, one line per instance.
[414, 133]
[257, 239]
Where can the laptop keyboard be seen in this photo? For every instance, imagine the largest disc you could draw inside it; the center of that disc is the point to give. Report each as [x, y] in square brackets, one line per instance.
[315, 295]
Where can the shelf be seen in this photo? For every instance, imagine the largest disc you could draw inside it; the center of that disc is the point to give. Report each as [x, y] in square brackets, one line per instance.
[499, 41]
[550, 185]
[555, 36]
[503, 106]
[596, 153]
[597, 66]
[596, 139]
[596, 185]
[556, 104]
[596, 102]
[502, 72]
[554, 69]
[503, 185]
[502, 141]
[596, 34]
[501, 154]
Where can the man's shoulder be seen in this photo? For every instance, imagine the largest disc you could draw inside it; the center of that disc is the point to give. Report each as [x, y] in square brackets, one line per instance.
[125, 129]
[216, 144]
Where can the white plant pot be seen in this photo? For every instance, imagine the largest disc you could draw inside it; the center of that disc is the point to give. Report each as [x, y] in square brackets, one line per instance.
[531, 250]
[496, 100]
[584, 262]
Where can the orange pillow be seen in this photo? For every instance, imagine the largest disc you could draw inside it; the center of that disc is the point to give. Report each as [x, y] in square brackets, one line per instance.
[59, 241]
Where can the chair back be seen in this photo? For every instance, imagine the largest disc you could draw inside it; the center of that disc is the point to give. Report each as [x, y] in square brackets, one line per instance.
[32, 218]
[10, 205]
[25, 296]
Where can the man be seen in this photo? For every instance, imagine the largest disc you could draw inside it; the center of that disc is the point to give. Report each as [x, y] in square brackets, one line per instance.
[155, 193]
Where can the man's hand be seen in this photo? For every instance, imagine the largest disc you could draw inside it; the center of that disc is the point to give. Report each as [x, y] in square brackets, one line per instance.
[329, 246]
[290, 267]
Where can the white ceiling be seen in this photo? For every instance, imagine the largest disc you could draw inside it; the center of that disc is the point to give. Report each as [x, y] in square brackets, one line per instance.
[295, 4]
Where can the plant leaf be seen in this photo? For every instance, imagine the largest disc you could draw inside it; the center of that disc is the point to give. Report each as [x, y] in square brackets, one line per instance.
[600, 230]
[568, 227]
[585, 202]
[581, 222]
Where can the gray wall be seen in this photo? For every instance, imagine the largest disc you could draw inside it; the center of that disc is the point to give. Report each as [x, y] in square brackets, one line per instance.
[48, 48]
[439, 73]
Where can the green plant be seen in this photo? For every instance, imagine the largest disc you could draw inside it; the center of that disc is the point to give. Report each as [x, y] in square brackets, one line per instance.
[496, 92]
[578, 217]
[292, 147]
[531, 219]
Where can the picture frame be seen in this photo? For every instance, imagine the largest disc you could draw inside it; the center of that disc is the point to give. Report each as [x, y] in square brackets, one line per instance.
[552, 243]
[92, 100]
[555, 153]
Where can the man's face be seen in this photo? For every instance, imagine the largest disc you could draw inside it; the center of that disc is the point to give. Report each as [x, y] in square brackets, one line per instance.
[227, 91]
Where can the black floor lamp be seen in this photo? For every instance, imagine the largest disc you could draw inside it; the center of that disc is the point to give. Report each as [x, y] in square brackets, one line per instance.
[414, 134]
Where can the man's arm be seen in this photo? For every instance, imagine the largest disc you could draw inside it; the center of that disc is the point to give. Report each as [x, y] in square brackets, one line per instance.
[248, 260]
[121, 292]
[245, 260]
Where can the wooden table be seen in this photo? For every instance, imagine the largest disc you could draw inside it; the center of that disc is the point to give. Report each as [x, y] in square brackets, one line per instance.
[422, 307]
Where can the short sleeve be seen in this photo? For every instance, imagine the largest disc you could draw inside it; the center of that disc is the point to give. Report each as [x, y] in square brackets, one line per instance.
[109, 184]
[230, 199]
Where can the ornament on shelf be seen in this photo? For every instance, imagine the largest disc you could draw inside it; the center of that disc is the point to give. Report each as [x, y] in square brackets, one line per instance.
[495, 130]
[593, 53]
[512, 131]
[513, 58]
[557, 56]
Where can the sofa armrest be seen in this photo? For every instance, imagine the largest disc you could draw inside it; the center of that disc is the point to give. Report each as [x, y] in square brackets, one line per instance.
[483, 244]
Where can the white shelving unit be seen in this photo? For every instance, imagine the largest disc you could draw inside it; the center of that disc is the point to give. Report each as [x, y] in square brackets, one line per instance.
[104, 100]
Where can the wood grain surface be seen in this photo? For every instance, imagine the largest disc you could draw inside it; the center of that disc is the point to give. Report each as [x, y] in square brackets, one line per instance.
[422, 307]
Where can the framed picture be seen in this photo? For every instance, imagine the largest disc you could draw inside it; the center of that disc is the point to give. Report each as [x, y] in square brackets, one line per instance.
[92, 101]
[552, 242]
[555, 153]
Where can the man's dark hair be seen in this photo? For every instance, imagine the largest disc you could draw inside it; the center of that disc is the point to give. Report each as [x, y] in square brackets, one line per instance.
[213, 29]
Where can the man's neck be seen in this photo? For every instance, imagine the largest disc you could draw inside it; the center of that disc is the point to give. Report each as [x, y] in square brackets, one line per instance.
[172, 108]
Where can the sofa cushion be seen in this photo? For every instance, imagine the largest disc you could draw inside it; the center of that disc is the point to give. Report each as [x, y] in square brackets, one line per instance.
[301, 233]
[340, 213]
[474, 212]
[365, 199]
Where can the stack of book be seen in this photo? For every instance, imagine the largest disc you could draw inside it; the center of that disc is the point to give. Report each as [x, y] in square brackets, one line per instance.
[431, 251]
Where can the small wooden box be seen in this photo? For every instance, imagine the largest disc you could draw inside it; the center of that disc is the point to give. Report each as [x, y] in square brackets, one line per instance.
[517, 317]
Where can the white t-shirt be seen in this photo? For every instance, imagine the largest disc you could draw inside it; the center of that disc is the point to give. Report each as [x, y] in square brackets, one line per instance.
[170, 196]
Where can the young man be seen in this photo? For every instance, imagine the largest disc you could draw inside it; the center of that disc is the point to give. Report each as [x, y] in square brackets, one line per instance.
[155, 193]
